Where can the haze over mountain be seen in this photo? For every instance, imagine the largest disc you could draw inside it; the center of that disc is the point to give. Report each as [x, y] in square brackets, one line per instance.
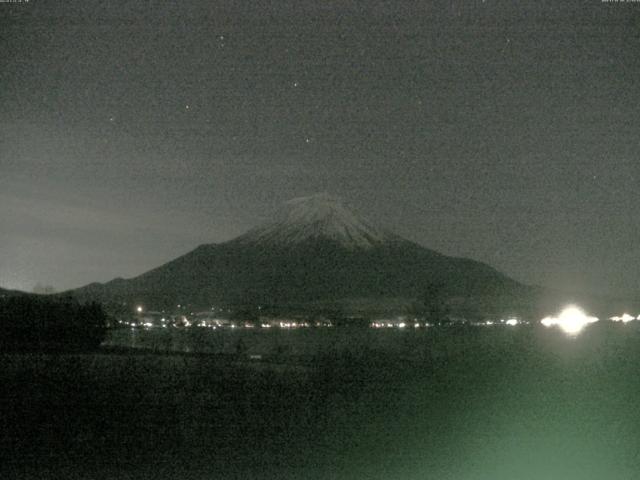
[313, 250]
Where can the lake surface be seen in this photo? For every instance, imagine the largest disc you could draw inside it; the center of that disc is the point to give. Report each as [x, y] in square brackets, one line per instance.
[462, 404]
[273, 341]
[422, 344]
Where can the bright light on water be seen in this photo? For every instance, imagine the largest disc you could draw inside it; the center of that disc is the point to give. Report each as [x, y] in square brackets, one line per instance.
[572, 320]
[512, 322]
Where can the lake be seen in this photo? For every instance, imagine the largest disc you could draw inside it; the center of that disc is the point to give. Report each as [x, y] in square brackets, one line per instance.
[447, 403]
[414, 344]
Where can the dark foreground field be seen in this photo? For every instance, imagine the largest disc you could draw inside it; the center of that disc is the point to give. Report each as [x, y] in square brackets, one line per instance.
[519, 403]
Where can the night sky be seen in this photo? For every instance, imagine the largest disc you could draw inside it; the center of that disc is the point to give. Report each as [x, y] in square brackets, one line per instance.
[507, 132]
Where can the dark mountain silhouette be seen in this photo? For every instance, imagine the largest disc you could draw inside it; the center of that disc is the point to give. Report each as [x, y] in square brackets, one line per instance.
[313, 250]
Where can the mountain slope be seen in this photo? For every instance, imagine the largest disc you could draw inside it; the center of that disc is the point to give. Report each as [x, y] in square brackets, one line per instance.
[313, 250]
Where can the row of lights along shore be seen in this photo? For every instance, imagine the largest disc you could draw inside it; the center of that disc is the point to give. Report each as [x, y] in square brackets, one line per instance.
[571, 320]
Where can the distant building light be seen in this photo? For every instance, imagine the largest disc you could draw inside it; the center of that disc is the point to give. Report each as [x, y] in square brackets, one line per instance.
[624, 318]
[572, 320]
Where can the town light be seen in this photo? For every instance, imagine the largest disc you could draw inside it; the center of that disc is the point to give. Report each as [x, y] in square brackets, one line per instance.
[571, 320]
[625, 318]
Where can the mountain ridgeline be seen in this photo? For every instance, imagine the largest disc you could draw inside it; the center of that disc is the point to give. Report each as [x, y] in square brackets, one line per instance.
[314, 250]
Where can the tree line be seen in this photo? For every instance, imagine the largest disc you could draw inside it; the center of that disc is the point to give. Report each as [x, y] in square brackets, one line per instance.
[35, 323]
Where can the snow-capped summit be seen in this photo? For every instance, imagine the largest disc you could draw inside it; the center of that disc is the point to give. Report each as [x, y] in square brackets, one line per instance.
[320, 216]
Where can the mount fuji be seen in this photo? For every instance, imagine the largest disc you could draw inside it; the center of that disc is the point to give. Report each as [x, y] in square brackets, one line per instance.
[318, 217]
[313, 250]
